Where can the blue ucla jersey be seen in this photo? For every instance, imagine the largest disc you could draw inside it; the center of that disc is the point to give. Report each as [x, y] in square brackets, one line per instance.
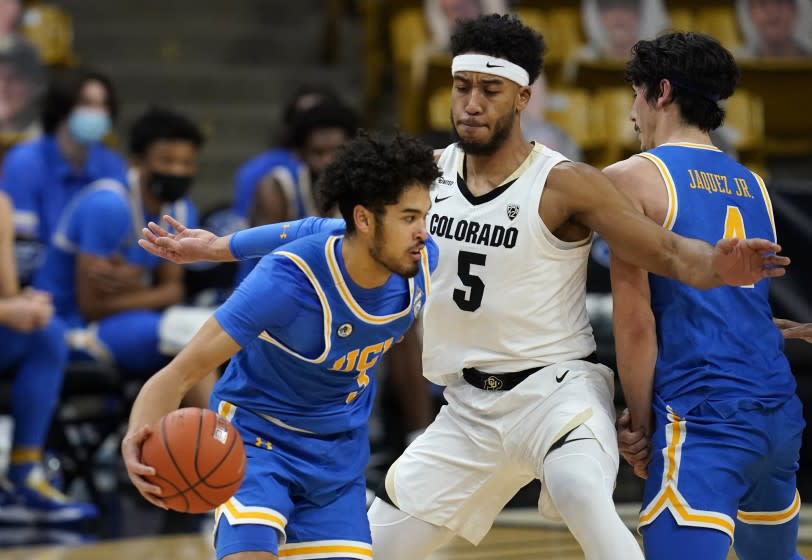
[728, 347]
[251, 173]
[104, 219]
[311, 339]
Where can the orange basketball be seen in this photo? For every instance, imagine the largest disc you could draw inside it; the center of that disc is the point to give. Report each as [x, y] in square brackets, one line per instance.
[198, 457]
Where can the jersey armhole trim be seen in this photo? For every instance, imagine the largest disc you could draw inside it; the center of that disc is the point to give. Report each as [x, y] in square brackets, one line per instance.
[326, 313]
[670, 188]
[767, 202]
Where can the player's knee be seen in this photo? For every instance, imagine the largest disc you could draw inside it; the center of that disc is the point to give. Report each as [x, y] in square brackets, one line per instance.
[576, 480]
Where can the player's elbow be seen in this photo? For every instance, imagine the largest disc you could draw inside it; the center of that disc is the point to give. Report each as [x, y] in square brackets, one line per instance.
[633, 324]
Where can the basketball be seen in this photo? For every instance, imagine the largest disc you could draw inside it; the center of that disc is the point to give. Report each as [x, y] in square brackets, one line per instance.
[198, 457]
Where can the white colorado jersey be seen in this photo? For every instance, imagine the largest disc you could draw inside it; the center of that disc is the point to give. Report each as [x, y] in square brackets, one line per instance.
[507, 295]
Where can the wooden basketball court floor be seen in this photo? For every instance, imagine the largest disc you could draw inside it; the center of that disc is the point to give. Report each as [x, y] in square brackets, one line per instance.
[502, 543]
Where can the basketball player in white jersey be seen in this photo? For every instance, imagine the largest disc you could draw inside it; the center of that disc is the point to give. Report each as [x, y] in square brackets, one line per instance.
[506, 328]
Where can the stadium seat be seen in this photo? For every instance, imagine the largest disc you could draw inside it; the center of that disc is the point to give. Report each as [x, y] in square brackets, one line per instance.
[783, 85]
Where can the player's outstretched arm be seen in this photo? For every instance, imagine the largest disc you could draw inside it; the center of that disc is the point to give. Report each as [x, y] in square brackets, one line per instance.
[593, 200]
[193, 245]
[792, 329]
[162, 393]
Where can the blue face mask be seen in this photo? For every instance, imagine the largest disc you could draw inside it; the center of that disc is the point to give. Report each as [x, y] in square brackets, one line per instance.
[88, 125]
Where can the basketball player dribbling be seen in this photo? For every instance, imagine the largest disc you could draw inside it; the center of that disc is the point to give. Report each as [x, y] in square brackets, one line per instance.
[304, 332]
[506, 328]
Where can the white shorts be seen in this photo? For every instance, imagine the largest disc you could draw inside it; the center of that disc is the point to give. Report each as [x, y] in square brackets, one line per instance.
[485, 445]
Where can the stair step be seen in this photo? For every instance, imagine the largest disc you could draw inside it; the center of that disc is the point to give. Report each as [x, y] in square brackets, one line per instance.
[133, 45]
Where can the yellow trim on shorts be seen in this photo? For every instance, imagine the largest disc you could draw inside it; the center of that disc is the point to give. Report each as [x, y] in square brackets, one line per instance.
[669, 496]
[238, 514]
[771, 517]
[320, 549]
[226, 410]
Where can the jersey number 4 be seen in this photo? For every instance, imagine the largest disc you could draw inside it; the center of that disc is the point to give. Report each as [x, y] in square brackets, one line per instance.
[734, 227]
[470, 299]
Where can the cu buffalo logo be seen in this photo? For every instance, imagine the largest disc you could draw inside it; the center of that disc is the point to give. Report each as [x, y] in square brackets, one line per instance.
[493, 383]
[512, 210]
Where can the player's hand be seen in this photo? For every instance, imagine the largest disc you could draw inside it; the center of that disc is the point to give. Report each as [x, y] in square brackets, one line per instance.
[184, 247]
[792, 329]
[28, 311]
[131, 451]
[740, 262]
[634, 446]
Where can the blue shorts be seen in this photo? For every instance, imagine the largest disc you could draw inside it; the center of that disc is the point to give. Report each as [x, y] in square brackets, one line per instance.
[727, 470]
[303, 495]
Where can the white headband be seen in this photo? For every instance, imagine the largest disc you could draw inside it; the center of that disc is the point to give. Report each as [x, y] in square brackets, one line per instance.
[490, 65]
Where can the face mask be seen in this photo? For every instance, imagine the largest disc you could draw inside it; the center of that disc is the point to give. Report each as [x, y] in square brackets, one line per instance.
[88, 125]
[168, 188]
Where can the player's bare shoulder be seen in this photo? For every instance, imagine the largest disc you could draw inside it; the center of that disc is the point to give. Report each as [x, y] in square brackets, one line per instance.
[639, 179]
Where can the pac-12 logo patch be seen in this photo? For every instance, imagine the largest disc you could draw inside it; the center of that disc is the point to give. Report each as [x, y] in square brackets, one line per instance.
[418, 301]
[344, 330]
[512, 210]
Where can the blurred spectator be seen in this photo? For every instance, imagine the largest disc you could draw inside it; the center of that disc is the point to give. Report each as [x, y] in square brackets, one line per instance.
[442, 15]
[22, 82]
[11, 12]
[277, 185]
[120, 311]
[535, 127]
[775, 28]
[304, 98]
[35, 354]
[612, 27]
[41, 176]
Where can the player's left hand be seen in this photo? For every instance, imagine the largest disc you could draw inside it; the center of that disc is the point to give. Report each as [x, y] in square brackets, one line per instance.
[634, 446]
[792, 329]
[740, 262]
[186, 246]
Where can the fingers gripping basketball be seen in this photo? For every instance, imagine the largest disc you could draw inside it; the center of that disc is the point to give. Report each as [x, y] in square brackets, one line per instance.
[199, 459]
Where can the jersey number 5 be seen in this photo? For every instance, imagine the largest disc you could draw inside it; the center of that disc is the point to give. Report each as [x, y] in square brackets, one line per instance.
[471, 299]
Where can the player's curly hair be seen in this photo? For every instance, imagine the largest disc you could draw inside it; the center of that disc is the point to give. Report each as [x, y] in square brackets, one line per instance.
[373, 170]
[502, 36]
[701, 72]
